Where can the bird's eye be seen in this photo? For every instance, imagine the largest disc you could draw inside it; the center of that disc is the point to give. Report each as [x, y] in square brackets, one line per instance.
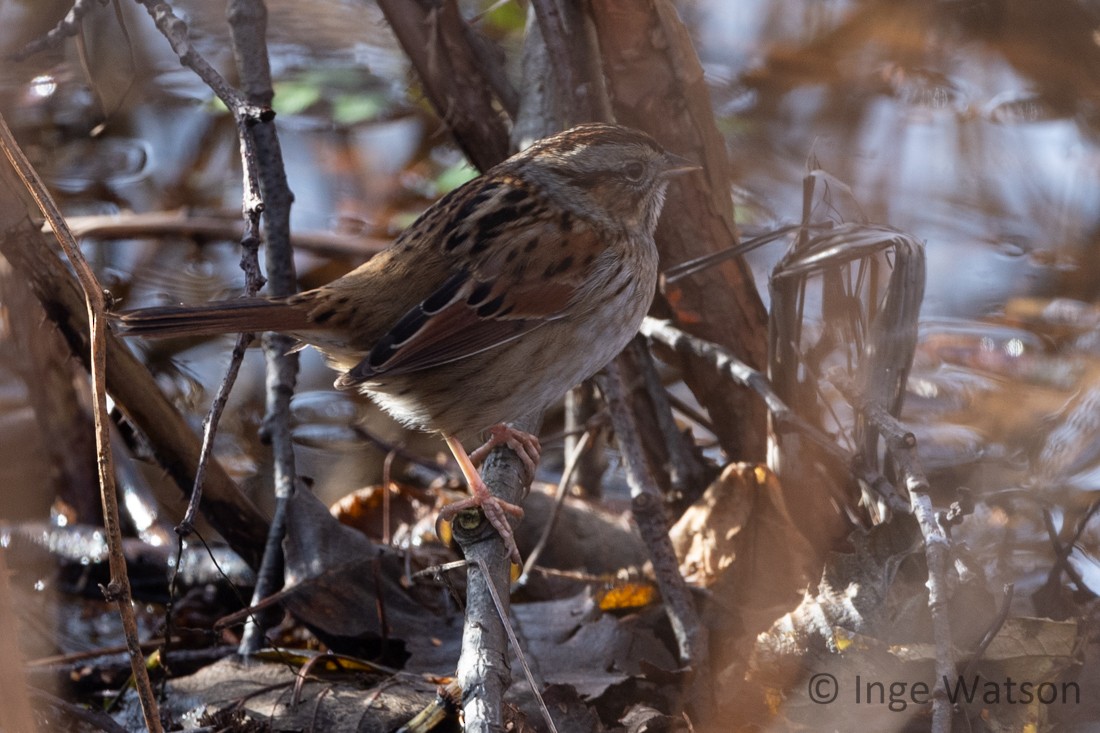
[634, 170]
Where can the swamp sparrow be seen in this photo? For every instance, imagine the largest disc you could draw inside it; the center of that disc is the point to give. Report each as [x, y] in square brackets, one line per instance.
[504, 294]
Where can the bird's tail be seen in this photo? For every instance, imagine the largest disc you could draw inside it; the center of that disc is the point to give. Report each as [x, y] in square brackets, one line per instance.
[227, 316]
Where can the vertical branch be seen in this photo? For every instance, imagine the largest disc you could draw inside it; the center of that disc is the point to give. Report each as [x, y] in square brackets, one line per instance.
[264, 181]
[248, 27]
[884, 369]
[581, 407]
[175, 31]
[901, 448]
[483, 663]
[250, 115]
[463, 84]
[672, 462]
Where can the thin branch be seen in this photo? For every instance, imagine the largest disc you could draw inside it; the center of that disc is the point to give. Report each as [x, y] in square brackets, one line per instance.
[246, 115]
[648, 508]
[503, 611]
[210, 431]
[67, 27]
[726, 363]
[248, 26]
[571, 463]
[118, 590]
[901, 448]
[686, 473]
[990, 634]
[180, 224]
[173, 28]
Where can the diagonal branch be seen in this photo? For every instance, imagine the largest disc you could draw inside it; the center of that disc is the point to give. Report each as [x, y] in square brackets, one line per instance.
[456, 73]
[118, 590]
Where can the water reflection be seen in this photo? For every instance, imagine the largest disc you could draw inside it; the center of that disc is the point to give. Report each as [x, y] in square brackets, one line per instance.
[939, 115]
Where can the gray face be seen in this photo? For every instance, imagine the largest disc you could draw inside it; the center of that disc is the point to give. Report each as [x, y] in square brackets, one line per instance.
[612, 176]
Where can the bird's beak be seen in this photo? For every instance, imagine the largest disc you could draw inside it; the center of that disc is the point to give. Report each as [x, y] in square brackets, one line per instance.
[678, 165]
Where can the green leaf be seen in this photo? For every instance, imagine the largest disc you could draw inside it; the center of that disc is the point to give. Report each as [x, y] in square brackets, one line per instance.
[455, 176]
[351, 109]
[295, 97]
[508, 17]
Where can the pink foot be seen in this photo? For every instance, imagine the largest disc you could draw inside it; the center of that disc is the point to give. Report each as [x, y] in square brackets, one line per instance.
[496, 511]
[524, 445]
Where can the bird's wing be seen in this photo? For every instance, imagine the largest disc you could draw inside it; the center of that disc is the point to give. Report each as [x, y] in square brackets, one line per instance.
[507, 289]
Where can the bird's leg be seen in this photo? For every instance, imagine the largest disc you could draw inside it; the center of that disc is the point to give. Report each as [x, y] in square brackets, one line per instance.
[496, 510]
[524, 445]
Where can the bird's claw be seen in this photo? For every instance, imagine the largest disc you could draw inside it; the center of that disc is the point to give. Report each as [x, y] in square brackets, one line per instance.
[496, 510]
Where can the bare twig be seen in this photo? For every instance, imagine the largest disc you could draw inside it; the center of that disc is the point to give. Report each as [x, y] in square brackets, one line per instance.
[686, 472]
[173, 28]
[648, 508]
[210, 431]
[901, 447]
[186, 526]
[248, 25]
[262, 168]
[581, 407]
[246, 115]
[68, 26]
[150, 225]
[729, 365]
[991, 633]
[503, 611]
[571, 463]
[118, 590]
